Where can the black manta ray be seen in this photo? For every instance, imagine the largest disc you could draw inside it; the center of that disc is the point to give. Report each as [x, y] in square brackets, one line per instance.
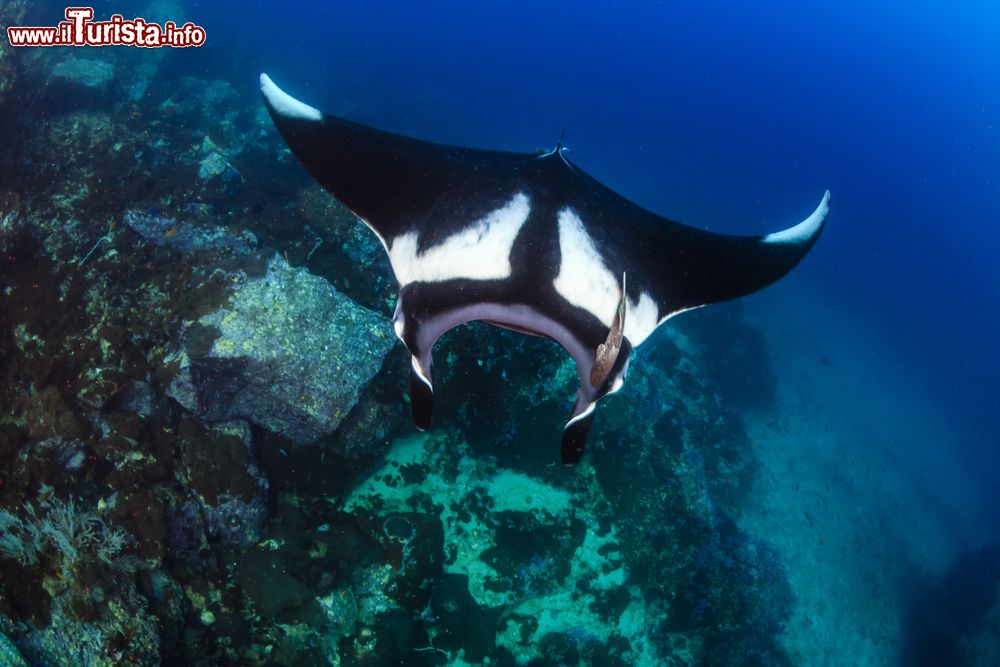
[528, 242]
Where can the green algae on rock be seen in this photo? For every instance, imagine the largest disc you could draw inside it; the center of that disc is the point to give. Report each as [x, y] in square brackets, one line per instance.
[9, 655]
[289, 353]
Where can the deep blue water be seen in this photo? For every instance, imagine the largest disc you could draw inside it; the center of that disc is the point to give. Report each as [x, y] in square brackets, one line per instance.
[733, 116]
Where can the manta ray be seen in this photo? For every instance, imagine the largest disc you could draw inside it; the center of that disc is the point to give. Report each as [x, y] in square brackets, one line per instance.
[528, 242]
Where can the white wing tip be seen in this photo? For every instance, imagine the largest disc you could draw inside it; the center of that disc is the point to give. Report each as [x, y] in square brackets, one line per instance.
[285, 104]
[806, 229]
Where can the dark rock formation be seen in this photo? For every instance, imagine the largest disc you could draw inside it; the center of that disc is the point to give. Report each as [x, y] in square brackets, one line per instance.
[287, 352]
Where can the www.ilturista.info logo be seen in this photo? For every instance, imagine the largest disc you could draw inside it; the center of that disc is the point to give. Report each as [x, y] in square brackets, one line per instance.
[79, 29]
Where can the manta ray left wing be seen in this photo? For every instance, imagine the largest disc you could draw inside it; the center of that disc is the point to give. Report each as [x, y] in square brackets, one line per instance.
[393, 183]
[527, 242]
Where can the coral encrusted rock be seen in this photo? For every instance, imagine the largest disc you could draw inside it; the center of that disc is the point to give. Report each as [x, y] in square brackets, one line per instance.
[288, 352]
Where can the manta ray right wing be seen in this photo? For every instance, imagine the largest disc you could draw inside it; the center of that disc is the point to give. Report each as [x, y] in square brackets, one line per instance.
[671, 267]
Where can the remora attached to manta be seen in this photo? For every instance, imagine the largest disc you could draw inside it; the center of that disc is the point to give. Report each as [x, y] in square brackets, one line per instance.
[527, 242]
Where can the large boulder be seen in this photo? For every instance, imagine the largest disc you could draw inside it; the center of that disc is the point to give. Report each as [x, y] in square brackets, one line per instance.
[287, 352]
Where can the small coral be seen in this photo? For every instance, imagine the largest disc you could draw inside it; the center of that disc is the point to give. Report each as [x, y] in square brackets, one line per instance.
[62, 530]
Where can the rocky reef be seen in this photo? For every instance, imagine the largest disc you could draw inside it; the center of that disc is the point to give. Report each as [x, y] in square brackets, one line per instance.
[286, 352]
[204, 439]
[11, 13]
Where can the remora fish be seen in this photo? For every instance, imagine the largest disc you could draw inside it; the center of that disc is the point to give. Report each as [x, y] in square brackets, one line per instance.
[528, 242]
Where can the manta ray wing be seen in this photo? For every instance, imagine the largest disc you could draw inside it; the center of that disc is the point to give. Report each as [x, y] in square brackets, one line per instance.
[529, 242]
[390, 181]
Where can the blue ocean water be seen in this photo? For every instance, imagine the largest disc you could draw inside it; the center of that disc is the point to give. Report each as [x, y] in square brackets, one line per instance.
[734, 117]
[730, 116]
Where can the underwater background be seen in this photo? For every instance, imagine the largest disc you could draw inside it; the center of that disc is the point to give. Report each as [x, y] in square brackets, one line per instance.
[206, 456]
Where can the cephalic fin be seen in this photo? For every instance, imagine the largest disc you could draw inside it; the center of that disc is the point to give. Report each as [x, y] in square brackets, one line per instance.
[576, 431]
[421, 396]
[608, 351]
